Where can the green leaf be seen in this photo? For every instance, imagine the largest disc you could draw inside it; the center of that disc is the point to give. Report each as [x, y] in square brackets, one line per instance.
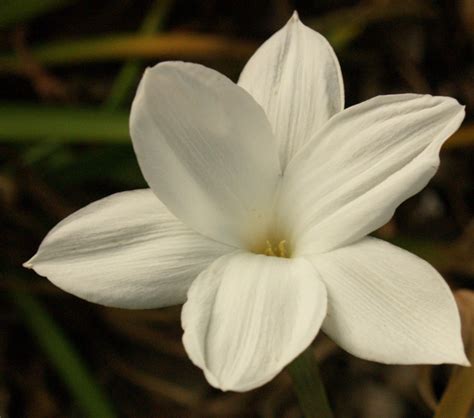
[23, 123]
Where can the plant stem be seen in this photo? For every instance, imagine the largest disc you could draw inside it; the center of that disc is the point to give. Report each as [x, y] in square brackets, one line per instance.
[308, 386]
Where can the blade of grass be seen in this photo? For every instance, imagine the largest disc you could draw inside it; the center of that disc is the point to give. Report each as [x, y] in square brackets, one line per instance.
[129, 73]
[186, 46]
[33, 123]
[63, 357]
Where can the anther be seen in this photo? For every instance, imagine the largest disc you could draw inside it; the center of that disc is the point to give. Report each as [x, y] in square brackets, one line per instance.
[282, 248]
[269, 249]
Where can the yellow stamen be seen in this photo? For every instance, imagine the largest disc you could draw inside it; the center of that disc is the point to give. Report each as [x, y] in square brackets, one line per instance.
[279, 250]
[269, 249]
[282, 248]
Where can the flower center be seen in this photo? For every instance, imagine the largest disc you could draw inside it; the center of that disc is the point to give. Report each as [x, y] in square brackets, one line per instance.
[276, 250]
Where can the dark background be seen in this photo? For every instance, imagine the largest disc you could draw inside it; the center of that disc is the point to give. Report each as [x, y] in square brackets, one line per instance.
[64, 143]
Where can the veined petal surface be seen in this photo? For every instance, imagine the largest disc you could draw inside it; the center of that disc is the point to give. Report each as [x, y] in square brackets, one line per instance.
[295, 76]
[387, 305]
[247, 316]
[126, 250]
[361, 165]
[206, 149]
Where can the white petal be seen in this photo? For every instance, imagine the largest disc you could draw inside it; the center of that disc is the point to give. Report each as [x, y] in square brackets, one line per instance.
[296, 78]
[206, 149]
[387, 305]
[247, 316]
[126, 250]
[365, 161]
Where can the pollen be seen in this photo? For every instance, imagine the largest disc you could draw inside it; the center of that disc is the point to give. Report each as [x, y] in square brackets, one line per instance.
[279, 250]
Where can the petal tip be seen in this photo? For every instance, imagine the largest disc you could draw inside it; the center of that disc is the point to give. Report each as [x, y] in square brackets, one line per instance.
[458, 354]
[29, 264]
[146, 71]
[463, 360]
[295, 17]
[466, 363]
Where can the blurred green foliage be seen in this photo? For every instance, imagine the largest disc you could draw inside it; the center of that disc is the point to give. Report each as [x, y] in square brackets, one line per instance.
[83, 387]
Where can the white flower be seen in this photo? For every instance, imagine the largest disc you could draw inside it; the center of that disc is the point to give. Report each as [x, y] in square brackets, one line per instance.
[262, 196]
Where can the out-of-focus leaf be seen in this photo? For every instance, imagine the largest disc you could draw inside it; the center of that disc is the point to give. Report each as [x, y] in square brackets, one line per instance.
[15, 11]
[32, 123]
[186, 46]
[86, 392]
[458, 398]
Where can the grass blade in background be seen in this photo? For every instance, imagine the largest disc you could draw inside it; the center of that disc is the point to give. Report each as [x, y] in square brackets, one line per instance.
[34, 123]
[73, 372]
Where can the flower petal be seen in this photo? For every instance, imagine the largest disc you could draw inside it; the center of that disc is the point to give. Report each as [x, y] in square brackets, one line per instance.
[366, 160]
[296, 78]
[126, 250]
[200, 141]
[247, 316]
[387, 305]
